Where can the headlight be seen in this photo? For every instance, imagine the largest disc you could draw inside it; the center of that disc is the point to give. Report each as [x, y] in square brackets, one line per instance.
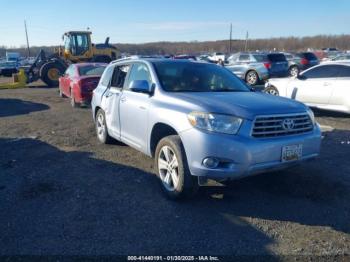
[215, 122]
[311, 115]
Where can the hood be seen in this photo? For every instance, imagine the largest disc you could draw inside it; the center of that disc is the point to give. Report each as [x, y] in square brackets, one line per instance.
[242, 104]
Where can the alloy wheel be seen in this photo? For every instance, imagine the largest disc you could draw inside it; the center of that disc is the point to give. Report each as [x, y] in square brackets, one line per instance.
[168, 168]
[252, 78]
[101, 127]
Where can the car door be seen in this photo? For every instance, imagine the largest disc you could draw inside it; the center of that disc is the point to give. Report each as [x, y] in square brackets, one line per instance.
[111, 99]
[134, 108]
[314, 86]
[239, 66]
[341, 90]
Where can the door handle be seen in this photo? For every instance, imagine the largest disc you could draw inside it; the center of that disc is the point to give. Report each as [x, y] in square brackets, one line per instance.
[326, 84]
[123, 99]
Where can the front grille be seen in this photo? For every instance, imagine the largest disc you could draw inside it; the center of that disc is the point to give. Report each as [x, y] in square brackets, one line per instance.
[281, 125]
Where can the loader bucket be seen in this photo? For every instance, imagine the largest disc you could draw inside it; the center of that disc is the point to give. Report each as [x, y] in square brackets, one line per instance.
[19, 80]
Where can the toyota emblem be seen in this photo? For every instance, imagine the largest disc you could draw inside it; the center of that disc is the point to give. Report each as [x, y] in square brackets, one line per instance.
[288, 124]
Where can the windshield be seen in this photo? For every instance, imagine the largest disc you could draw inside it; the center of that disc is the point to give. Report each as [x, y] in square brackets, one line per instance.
[197, 77]
[91, 70]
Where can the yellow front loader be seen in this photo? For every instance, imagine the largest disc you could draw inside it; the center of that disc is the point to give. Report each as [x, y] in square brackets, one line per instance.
[77, 48]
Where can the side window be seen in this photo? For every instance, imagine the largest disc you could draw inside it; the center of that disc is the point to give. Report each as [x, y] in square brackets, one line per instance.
[119, 75]
[107, 75]
[343, 71]
[233, 58]
[327, 71]
[244, 58]
[139, 71]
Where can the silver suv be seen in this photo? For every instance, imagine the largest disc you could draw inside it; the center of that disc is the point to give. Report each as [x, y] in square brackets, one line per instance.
[249, 67]
[199, 122]
[255, 67]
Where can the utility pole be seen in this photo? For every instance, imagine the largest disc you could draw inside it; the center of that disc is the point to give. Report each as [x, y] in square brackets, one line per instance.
[230, 38]
[25, 27]
[246, 42]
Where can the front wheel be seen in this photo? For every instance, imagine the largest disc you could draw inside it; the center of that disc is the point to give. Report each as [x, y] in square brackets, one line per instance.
[272, 91]
[50, 73]
[294, 71]
[172, 168]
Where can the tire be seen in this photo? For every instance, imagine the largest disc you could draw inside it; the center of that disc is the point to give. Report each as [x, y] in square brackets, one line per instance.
[101, 128]
[294, 71]
[60, 93]
[178, 183]
[271, 90]
[252, 78]
[50, 73]
[72, 100]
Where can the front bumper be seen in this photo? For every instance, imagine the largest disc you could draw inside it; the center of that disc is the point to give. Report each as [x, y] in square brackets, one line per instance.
[243, 155]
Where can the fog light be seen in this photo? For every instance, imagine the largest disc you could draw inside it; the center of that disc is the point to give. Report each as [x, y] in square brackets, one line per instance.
[211, 162]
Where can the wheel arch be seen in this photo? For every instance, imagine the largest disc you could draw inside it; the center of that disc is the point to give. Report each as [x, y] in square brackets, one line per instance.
[252, 70]
[159, 131]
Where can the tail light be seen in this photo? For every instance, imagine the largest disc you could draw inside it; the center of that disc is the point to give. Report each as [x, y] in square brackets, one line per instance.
[267, 65]
[304, 61]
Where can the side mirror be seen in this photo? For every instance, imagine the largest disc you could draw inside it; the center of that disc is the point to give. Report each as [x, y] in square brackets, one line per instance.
[140, 86]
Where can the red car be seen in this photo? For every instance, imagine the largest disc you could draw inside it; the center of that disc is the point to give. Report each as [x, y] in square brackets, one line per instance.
[79, 81]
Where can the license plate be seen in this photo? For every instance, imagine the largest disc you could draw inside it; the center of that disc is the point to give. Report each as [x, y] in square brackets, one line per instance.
[292, 153]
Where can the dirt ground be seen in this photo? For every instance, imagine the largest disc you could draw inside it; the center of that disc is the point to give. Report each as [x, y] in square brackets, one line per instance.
[62, 193]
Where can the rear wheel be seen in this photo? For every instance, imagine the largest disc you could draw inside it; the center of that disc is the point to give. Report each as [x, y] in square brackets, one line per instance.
[60, 93]
[272, 91]
[101, 128]
[50, 72]
[172, 168]
[252, 78]
[73, 103]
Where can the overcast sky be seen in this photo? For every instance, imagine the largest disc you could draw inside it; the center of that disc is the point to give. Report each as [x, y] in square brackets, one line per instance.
[139, 21]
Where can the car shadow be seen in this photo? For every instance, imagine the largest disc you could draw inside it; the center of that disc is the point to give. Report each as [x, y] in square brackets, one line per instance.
[74, 203]
[316, 193]
[70, 202]
[12, 107]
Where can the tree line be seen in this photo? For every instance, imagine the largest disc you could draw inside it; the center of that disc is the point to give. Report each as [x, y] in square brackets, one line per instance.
[341, 42]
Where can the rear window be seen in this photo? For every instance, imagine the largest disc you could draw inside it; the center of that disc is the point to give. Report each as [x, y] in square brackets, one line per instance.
[91, 70]
[260, 58]
[277, 57]
[310, 56]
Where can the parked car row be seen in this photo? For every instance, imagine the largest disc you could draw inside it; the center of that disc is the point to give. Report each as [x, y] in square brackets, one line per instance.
[7, 68]
[255, 67]
[197, 120]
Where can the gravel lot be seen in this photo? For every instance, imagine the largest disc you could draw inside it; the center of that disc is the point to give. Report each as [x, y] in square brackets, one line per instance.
[62, 193]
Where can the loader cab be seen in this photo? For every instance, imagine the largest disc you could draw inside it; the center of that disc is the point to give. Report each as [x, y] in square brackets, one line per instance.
[77, 45]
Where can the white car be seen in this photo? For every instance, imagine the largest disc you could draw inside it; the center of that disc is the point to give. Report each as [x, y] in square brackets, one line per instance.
[343, 58]
[326, 86]
[216, 57]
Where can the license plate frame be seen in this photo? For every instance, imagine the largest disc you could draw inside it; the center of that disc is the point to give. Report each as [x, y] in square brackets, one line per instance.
[292, 153]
